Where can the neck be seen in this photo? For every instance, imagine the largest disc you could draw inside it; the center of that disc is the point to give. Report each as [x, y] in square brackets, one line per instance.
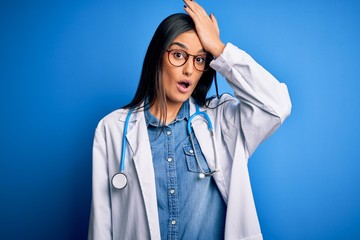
[172, 109]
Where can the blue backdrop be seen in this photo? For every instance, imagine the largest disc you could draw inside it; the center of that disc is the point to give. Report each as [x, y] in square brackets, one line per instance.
[66, 64]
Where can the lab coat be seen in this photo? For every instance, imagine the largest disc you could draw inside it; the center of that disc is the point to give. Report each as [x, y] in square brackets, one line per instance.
[259, 107]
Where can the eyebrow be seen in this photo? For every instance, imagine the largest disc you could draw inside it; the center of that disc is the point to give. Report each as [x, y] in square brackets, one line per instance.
[184, 46]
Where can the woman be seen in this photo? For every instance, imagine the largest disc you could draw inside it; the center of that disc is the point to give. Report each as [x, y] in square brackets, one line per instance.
[180, 187]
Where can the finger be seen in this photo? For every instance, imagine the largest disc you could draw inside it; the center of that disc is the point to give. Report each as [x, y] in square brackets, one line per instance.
[190, 12]
[186, 6]
[213, 19]
[187, 9]
[195, 7]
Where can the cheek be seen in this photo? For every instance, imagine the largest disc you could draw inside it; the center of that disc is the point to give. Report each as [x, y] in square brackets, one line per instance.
[168, 72]
[167, 76]
[171, 74]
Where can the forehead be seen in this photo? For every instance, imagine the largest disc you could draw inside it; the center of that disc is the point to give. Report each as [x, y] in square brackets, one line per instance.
[190, 41]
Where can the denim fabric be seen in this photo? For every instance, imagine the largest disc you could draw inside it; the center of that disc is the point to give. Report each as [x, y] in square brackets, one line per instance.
[189, 207]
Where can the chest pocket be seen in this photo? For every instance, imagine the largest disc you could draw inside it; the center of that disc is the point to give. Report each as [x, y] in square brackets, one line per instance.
[191, 162]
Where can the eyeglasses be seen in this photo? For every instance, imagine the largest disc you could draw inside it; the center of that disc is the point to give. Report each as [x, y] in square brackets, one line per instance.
[178, 58]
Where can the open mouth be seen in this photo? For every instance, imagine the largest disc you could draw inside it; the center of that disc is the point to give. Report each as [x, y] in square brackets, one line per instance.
[184, 84]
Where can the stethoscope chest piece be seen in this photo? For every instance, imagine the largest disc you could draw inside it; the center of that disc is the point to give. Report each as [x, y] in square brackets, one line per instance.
[119, 180]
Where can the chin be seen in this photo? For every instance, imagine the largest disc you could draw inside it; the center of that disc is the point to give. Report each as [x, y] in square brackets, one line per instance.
[178, 99]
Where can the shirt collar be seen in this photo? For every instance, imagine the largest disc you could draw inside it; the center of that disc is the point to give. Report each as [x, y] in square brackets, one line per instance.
[182, 114]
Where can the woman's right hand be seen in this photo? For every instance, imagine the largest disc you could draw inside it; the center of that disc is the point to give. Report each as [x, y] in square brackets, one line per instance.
[206, 27]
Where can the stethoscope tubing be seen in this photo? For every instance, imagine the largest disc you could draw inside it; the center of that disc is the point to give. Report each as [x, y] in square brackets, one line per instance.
[121, 177]
[122, 159]
[204, 115]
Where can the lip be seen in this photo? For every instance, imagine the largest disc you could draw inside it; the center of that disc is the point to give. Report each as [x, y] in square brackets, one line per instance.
[184, 86]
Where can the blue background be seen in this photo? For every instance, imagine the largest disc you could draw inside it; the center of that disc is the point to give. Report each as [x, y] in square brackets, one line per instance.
[66, 64]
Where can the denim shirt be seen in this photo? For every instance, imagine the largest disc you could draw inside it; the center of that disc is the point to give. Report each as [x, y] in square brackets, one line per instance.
[189, 207]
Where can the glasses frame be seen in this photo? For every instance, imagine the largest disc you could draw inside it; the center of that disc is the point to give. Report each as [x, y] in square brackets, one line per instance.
[207, 59]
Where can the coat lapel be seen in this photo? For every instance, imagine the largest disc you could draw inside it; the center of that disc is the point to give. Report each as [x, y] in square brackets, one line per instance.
[138, 139]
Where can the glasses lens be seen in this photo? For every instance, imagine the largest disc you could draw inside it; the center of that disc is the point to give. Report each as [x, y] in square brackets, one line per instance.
[179, 57]
[200, 62]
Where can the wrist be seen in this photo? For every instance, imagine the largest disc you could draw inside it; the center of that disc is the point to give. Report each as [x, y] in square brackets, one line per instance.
[218, 50]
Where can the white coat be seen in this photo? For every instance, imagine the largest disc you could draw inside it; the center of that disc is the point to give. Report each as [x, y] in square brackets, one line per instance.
[240, 124]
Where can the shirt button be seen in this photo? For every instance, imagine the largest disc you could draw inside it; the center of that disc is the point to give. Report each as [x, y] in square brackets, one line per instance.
[169, 159]
[168, 133]
[173, 222]
[172, 191]
[191, 151]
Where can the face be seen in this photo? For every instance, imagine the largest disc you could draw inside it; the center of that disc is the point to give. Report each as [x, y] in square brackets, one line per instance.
[180, 82]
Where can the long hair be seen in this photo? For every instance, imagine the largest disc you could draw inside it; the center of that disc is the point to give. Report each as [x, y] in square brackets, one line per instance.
[150, 85]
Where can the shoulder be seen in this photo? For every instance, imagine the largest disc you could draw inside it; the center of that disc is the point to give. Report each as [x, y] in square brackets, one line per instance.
[223, 101]
[224, 109]
[112, 118]
[118, 117]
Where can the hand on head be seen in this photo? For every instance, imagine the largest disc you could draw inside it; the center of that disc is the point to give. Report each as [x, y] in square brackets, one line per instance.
[206, 27]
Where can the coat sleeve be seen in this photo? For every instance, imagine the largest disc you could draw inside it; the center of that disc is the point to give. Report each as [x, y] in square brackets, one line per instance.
[264, 103]
[100, 216]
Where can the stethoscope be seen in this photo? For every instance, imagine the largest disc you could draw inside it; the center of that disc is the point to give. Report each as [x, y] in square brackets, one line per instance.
[119, 180]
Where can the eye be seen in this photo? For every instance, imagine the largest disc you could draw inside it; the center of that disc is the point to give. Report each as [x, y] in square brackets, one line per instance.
[200, 59]
[178, 54]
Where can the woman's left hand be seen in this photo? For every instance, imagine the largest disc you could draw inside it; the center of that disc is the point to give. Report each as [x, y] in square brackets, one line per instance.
[206, 28]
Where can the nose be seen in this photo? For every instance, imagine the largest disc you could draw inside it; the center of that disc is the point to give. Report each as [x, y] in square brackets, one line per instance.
[188, 67]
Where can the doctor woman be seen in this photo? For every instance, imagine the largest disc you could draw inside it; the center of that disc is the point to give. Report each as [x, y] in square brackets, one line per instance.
[172, 164]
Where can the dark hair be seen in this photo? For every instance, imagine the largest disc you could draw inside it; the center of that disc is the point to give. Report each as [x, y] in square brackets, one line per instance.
[150, 85]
